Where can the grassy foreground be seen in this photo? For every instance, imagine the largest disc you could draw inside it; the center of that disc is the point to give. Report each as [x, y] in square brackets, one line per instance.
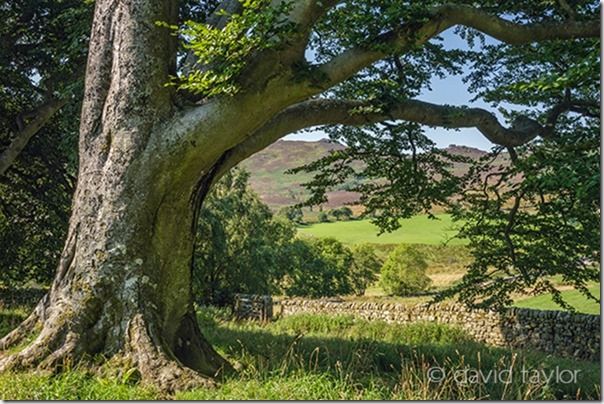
[415, 230]
[311, 357]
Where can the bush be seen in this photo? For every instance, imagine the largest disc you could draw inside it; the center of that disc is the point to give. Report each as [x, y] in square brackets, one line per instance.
[365, 267]
[322, 217]
[293, 214]
[404, 272]
[318, 268]
[343, 213]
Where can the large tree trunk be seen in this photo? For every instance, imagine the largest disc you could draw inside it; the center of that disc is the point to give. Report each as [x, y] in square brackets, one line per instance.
[123, 286]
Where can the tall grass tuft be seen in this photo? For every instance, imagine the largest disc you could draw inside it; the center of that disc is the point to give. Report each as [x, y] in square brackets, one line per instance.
[313, 357]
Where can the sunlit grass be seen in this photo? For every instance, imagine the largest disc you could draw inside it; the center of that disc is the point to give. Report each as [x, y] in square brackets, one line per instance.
[415, 230]
[312, 357]
[573, 297]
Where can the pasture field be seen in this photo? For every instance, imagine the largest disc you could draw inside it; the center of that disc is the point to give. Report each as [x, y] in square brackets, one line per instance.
[446, 262]
[572, 297]
[415, 230]
[311, 357]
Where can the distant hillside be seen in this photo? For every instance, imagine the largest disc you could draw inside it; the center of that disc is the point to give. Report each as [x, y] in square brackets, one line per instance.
[278, 189]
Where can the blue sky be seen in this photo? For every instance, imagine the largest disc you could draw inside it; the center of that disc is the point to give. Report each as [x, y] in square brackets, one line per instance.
[450, 90]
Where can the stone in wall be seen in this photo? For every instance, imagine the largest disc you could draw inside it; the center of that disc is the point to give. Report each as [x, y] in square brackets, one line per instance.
[566, 334]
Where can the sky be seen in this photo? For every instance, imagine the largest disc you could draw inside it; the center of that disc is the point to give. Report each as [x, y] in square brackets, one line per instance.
[450, 90]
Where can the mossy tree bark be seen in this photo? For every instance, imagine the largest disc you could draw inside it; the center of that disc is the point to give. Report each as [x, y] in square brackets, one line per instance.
[123, 285]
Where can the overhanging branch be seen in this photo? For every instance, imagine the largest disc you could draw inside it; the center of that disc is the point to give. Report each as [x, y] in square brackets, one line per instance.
[410, 35]
[319, 112]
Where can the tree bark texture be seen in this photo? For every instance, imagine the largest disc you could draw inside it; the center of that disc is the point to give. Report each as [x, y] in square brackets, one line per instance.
[123, 285]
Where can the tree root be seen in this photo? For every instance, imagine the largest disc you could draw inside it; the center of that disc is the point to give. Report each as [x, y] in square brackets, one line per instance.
[186, 363]
[156, 365]
[46, 351]
[19, 334]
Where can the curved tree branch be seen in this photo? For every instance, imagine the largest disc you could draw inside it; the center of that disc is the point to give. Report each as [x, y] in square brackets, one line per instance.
[410, 35]
[39, 117]
[355, 113]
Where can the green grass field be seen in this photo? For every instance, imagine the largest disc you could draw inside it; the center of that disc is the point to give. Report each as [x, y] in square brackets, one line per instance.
[415, 230]
[313, 357]
[572, 297]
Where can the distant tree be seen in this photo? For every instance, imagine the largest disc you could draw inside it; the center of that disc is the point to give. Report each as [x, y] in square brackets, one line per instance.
[320, 268]
[343, 213]
[322, 217]
[404, 272]
[240, 247]
[292, 213]
[365, 267]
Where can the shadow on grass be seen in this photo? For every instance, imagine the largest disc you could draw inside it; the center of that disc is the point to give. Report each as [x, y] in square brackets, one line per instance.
[388, 364]
[363, 362]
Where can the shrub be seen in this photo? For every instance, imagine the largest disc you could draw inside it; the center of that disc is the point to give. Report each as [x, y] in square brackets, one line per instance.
[292, 213]
[319, 268]
[365, 267]
[404, 272]
[343, 213]
[322, 217]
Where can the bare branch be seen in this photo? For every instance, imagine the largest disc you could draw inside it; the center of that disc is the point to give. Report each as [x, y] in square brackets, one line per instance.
[39, 117]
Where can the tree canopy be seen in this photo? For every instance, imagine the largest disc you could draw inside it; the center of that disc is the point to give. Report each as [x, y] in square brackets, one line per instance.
[178, 92]
[369, 61]
[535, 218]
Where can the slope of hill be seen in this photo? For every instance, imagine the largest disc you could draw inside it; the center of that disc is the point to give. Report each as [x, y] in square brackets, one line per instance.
[275, 187]
[278, 189]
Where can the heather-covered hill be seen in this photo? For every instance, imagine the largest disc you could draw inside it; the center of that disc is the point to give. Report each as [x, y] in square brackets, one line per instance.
[278, 189]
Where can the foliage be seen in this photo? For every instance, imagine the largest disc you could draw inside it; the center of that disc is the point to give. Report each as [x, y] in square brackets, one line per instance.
[319, 267]
[534, 218]
[403, 174]
[365, 267]
[293, 214]
[322, 217]
[43, 49]
[42, 52]
[240, 247]
[343, 213]
[404, 272]
[524, 223]
[222, 51]
[35, 202]
[524, 232]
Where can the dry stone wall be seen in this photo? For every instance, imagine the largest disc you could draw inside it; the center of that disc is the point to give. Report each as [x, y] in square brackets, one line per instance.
[557, 332]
